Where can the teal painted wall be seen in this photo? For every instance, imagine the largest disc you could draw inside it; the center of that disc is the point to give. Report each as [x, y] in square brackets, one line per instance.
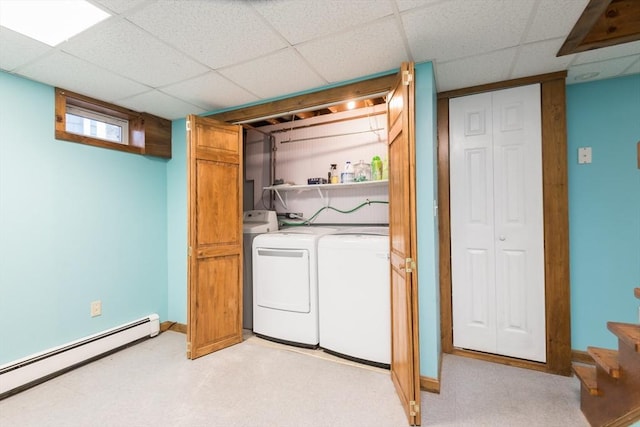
[426, 197]
[77, 224]
[604, 207]
[177, 223]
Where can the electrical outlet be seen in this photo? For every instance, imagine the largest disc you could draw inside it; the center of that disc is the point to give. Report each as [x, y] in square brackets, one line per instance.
[96, 308]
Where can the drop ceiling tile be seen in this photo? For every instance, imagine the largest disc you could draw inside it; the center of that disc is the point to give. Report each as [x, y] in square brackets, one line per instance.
[404, 5]
[302, 20]
[281, 73]
[477, 70]
[459, 28]
[210, 91]
[68, 72]
[119, 6]
[540, 58]
[160, 104]
[17, 50]
[366, 50]
[625, 49]
[605, 69]
[555, 18]
[129, 51]
[633, 68]
[216, 33]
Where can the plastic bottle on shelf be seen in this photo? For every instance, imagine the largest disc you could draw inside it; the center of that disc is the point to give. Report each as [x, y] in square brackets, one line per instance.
[347, 173]
[385, 168]
[333, 174]
[376, 168]
[362, 171]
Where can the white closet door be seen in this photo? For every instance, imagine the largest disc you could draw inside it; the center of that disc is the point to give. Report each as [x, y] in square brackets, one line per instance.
[472, 228]
[496, 223]
[519, 230]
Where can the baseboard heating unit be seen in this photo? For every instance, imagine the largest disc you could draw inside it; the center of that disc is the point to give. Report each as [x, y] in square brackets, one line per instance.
[24, 373]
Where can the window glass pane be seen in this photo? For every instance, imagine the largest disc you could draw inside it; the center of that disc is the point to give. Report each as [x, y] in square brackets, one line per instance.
[94, 125]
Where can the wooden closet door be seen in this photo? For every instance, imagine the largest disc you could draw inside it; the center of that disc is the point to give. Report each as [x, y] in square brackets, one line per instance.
[214, 162]
[405, 354]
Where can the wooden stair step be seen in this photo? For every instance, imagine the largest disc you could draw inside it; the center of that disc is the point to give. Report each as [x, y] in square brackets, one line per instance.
[607, 359]
[627, 332]
[636, 292]
[587, 376]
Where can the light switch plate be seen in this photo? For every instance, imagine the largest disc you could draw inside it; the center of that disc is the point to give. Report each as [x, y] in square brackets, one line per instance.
[584, 155]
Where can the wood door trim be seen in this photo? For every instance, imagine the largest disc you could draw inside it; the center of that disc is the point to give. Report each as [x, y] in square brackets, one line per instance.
[556, 220]
[377, 85]
[523, 81]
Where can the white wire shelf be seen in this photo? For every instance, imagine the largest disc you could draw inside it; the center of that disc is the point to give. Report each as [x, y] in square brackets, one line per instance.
[326, 187]
[306, 187]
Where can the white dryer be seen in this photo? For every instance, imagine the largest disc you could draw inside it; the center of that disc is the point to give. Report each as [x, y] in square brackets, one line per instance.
[253, 223]
[285, 285]
[354, 294]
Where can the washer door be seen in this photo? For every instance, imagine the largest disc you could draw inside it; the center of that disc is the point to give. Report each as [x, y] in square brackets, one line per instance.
[281, 279]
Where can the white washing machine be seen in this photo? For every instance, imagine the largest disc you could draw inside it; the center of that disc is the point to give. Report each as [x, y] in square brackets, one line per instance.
[354, 294]
[253, 223]
[285, 285]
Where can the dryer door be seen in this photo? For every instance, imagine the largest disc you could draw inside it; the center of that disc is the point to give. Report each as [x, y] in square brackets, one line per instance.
[281, 279]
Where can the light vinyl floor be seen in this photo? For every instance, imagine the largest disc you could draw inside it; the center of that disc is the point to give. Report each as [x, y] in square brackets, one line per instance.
[259, 383]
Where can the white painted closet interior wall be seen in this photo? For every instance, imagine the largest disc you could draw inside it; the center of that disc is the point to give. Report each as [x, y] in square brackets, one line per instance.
[310, 153]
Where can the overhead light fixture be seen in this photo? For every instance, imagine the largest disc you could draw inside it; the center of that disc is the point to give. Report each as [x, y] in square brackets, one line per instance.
[351, 105]
[49, 21]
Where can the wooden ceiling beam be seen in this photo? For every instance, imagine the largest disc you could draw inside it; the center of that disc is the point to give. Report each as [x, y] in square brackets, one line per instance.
[377, 85]
[604, 23]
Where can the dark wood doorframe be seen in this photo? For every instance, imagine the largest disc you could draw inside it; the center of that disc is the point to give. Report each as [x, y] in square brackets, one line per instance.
[556, 222]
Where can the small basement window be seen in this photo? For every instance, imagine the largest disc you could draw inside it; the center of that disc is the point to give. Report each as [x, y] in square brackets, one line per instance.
[89, 121]
[95, 125]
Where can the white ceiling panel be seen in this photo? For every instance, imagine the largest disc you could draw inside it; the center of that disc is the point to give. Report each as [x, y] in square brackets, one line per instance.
[618, 51]
[368, 50]
[480, 27]
[540, 58]
[160, 104]
[218, 33]
[122, 47]
[302, 20]
[555, 18]
[633, 68]
[412, 4]
[477, 70]
[118, 6]
[68, 72]
[173, 57]
[605, 70]
[277, 74]
[17, 50]
[210, 91]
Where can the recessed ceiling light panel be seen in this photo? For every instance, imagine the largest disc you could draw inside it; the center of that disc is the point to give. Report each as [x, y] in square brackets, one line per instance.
[49, 21]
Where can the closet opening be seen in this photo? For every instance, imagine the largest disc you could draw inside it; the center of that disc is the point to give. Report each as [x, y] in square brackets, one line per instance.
[295, 163]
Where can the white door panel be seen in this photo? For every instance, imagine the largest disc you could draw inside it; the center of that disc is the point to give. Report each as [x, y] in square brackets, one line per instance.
[496, 217]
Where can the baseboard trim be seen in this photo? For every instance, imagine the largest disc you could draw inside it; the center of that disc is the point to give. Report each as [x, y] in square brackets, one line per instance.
[580, 356]
[173, 326]
[431, 385]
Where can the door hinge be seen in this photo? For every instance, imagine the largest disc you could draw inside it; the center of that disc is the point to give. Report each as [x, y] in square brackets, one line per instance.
[407, 78]
[190, 250]
[409, 265]
[414, 409]
[188, 125]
